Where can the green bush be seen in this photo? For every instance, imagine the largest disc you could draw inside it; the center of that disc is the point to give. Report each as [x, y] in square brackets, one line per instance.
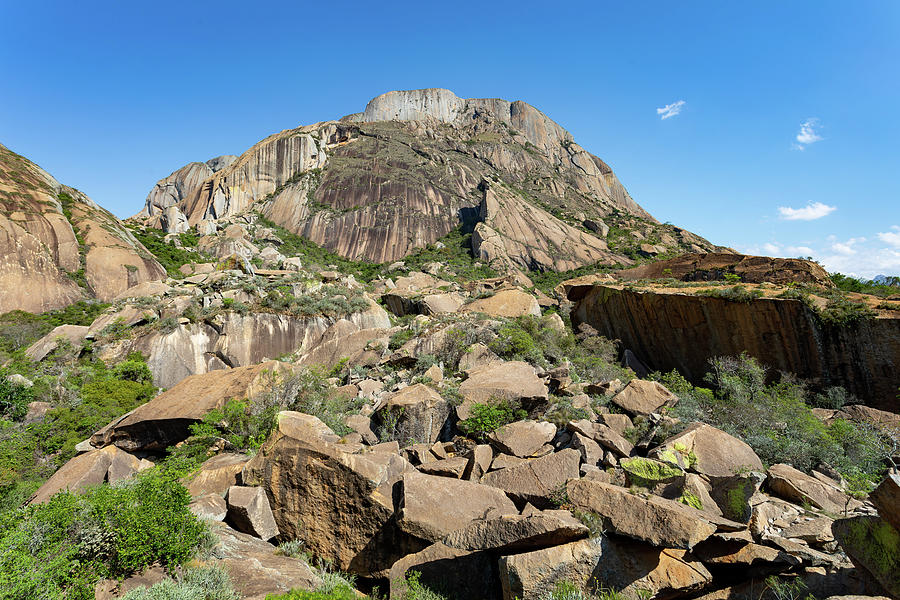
[133, 368]
[14, 398]
[843, 311]
[169, 256]
[776, 420]
[737, 293]
[60, 548]
[487, 418]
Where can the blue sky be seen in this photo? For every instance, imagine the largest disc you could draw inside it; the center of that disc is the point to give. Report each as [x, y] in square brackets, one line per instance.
[785, 141]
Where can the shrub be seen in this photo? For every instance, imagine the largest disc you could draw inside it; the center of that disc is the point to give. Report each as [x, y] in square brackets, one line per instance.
[133, 368]
[737, 293]
[59, 549]
[202, 583]
[14, 398]
[843, 311]
[487, 418]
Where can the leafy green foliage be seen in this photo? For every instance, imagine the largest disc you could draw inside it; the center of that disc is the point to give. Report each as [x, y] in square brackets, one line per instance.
[14, 398]
[59, 549]
[487, 418]
[847, 283]
[776, 420]
[133, 368]
[842, 311]
[169, 256]
[330, 300]
[737, 293]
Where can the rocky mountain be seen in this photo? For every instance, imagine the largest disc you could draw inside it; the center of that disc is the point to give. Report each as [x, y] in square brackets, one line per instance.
[57, 246]
[417, 164]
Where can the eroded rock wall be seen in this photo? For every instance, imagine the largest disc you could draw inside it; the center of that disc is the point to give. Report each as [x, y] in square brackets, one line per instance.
[678, 331]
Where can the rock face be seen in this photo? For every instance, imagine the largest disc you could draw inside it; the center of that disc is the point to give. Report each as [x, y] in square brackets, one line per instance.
[713, 266]
[378, 184]
[92, 468]
[668, 331]
[52, 237]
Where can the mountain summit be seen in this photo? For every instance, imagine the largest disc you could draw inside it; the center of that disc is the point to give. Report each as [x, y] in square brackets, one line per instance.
[415, 165]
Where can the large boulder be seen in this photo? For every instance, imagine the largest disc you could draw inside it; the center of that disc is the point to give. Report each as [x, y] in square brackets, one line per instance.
[432, 506]
[795, 486]
[249, 512]
[523, 438]
[506, 303]
[642, 397]
[89, 469]
[631, 568]
[874, 545]
[418, 412]
[166, 419]
[536, 480]
[712, 452]
[340, 504]
[514, 380]
[517, 533]
[886, 498]
[657, 521]
[216, 474]
[469, 575]
[62, 334]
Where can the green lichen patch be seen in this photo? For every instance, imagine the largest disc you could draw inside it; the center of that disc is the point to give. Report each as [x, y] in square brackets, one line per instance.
[646, 472]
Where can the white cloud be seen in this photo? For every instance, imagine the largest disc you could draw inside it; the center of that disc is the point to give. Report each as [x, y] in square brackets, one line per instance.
[845, 248]
[799, 251]
[670, 110]
[891, 237]
[810, 212]
[771, 249]
[807, 134]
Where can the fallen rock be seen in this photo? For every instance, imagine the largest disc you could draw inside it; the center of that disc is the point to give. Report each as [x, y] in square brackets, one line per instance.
[657, 521]
[88, 469]
[211, 507]
[872, 544]
[712, 451]
[886, 498]
[470, 575]
[514, 380]
[216, 475]
[793, 485]
[420, 413]
[337, 502]
[432, 507]
[536, 480]
[505, 303]
[642, 397]
[737, 553]
[517, 533]
[65, 334]
[249, 512]
[523, 438]
[604, 563]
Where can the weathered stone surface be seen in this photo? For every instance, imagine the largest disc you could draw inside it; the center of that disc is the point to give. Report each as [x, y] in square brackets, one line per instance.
[657, 521]
[211, 507]
[70, 334]
[591, 452]
[480, 460]
[523, 438]
[642, 397]
[217, 474]
[432, 507]
[467, 575]
[718, 454]
[338, 503]
[886, 498]
[256, 570]
[537, 479]
[733, 495]
[249, 512]
[603, 435]
[513, 380]
[793, 485]
[742, 554]
[874, 545]
[506, 303]
[812, 531]
[602, 563]
[455, 466]
[419, 411]
[669, 330]
[517, 533]
[90, 468]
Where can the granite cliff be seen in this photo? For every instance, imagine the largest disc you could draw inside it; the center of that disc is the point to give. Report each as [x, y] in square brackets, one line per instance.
[417, 164]
[57, 246]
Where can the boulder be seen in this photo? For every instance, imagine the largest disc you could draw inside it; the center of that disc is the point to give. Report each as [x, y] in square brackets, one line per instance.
[88, 469]
[631, 568]
[69, 334]
[513, 380]
[480, 459]
[603, 435]
[432, 507]
[455, 466]
[591, 452]
[211, 507]
[523, 438]
[468, 575]
[872, 544]
[793, 485]
[886, 498]
[249, 512]
[642, 397]
[505, 303]
[660, 478]
[477, 355]
[166, 419]
[420, 413]
[256, 569]
[337, 502]
[739, 553]
[733, 495]
[517, 533]
[536, 480]
[216, 475]
[657, 521]
[712, 452]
